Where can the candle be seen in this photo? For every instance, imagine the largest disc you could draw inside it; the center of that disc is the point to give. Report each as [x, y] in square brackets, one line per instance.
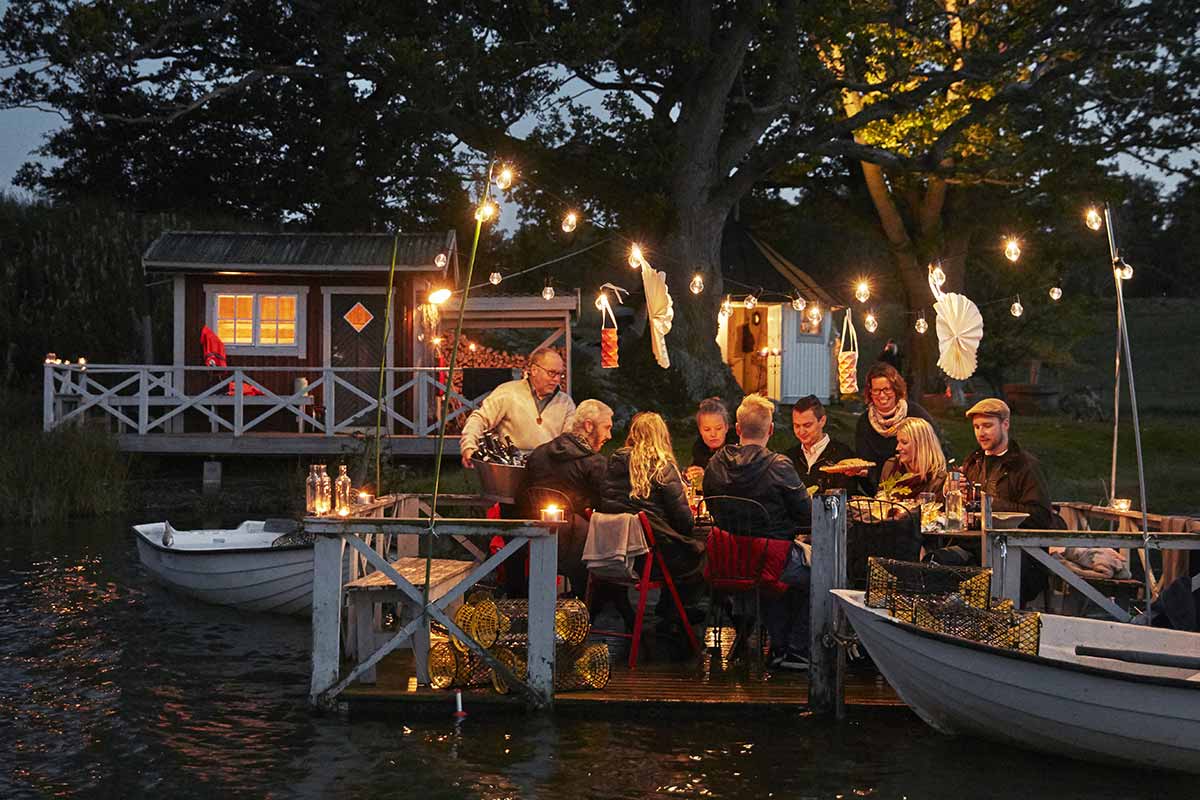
[343, 512]
[552, 513]
[364, 497]
[1120, 503]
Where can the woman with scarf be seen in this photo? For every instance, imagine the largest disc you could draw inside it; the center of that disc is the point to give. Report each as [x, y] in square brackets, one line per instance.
[887, 408]
[919, 456]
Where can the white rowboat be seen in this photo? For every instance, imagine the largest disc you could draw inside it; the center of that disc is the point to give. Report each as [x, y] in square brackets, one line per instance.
[1099, 709]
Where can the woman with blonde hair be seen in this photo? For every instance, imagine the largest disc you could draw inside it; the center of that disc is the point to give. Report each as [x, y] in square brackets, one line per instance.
[919, 454]
[644, 476]
[886, 396]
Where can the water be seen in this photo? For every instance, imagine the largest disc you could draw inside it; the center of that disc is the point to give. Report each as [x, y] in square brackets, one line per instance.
[111, 687]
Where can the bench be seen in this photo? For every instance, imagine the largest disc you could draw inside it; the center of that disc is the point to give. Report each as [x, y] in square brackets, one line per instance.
[366, 595]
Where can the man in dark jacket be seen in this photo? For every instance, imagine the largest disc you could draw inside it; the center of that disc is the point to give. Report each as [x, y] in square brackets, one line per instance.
[816, 449]
[571, 463]
[752, 471]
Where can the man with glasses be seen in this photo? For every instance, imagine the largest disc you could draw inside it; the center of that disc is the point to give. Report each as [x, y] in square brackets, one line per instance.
[531, 411]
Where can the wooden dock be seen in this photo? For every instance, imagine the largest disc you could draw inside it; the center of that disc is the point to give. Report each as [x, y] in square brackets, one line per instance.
[710, 686]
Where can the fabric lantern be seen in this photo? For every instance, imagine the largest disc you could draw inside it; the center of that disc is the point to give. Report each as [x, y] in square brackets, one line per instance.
[848, 358]
[609, 346]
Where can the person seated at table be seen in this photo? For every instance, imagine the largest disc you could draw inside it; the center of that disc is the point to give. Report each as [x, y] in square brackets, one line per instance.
[712, 423]
[644, 476]
[816, 449]
[918, 455]
[571, 463]
[888, 405]
[750, 470]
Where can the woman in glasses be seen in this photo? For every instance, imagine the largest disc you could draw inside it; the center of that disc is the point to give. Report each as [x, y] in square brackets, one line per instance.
[888, 407]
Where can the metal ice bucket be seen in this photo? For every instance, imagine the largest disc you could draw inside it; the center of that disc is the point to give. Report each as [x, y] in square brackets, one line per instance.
[500, 483]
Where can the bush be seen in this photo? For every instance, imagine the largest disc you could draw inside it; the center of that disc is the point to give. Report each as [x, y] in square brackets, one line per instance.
[74, 471]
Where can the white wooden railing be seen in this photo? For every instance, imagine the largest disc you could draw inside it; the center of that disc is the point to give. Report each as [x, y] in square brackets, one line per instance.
[150, 399]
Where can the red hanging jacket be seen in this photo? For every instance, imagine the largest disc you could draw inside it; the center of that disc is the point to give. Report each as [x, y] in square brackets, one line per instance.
[214, 356]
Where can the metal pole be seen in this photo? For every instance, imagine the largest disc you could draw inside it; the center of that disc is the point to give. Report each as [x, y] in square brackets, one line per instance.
[1112, 252]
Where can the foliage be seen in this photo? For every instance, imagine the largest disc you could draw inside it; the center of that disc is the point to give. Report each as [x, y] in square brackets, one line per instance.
[69, 472]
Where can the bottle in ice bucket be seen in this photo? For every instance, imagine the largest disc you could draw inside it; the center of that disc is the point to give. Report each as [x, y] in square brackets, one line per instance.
[324, 491]
[341, 492]
[311, 486]
[954, 501]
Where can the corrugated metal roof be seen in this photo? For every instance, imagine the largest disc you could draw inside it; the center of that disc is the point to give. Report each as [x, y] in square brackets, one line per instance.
[209, 251]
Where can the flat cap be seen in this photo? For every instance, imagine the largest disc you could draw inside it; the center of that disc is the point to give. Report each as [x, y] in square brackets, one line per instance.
[990, 407]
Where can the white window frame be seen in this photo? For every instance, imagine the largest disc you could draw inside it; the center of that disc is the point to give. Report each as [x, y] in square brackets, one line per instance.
[298, 350]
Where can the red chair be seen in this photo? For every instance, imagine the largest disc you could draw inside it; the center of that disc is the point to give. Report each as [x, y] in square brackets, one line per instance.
[644, 585]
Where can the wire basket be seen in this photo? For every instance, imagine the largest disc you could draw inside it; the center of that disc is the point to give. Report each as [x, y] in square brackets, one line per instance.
[894, 584]
[462, 618]
[588, 667]
[513, 663]
[1011, 630]
[449, 668]
[572, 621]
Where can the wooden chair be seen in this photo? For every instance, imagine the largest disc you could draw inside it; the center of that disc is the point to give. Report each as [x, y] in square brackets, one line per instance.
[653, 561]
[879, 528]
[735, 559]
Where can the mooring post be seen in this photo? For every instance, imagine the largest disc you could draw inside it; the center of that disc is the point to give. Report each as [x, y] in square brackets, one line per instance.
[543, 575]
[326, 614]
[826, 659]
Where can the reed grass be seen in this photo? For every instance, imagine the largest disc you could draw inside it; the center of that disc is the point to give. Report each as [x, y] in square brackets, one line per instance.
[74, 471]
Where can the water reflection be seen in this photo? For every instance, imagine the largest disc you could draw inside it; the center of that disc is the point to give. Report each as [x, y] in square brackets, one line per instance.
[110, 687]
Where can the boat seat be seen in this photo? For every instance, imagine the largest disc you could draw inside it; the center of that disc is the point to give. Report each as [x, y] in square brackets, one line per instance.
[366, 595]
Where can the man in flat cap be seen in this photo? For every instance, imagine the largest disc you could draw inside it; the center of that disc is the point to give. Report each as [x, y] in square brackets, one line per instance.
[1009, 474]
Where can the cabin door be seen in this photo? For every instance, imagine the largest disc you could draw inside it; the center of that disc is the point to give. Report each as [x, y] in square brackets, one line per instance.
[354, 331]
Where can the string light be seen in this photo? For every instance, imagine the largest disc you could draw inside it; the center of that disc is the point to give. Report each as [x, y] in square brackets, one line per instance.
[495, 278]
[504, 178]
[471, 347]
[437, 340]
[727, 307]
[921, 325]
[862, 292]
[1055, 293]
[1016, 309]
[939, 277]
[798, 303]
[601, 301]
[439, 295]
[750, 302]
[570, 220]
[697, 284]
[815, 313]
[635, 257]
[871, 324]
[485, 211]
[1093, 219]
[1012, 249]
[548, 292]
[440, 261]
[1123, 270]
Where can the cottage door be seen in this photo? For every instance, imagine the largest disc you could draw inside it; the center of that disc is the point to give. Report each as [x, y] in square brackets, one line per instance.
[355, 329]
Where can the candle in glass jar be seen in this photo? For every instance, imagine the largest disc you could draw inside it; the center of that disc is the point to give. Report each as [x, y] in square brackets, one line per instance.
[1121, 503]
[552, 513]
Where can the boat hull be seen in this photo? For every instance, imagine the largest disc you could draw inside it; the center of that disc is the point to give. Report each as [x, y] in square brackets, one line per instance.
[1078, 709]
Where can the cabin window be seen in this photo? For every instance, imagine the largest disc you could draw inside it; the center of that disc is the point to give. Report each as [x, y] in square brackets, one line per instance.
[266, 320]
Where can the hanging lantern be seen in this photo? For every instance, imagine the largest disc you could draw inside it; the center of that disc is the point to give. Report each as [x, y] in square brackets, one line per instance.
[635, 257]
[1093, 219]
[798, 303]
[504, 178]
[548, 292]
[697, 284]
[609, 345]
[570, 220]
[1055, 293]
[750, 302]
[1012, 249]
[495, 278]
[485, 211]
[440, 261]
[862, 292]
[870, 323]
[921, 325]
[939, 277]
[1016, 309]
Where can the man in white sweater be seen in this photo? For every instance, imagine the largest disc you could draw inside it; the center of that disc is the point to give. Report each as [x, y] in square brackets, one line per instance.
[531, 411]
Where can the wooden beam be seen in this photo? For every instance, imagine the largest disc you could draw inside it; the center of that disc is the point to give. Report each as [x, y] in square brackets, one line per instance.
[326, 615]
[828, 571]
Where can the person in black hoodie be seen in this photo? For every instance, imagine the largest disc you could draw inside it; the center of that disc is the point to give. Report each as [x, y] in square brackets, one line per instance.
[816, 449]
[571, 463]
[750, 470]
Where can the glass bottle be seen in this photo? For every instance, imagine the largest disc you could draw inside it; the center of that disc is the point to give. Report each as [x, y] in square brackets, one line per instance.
[342, 491]
[324, 490]
[954, 502]
[312, 485]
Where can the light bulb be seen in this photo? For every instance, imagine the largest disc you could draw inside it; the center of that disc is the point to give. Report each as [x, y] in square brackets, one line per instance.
[548, 292]
[601, 301]
[485, 211]
[1012, 249]
[1124, 270]
[871, 324]
[939, 277]
[1093, 219]
[1055, 293]
[635, 257]
[439, 296]
[471, 347]
[1016, 309]
[750, 302]
[437, 340]
[763, 352]
[440, 261]
[697, 284]
[921, 325]
[815, 313]
[727, 307]
[504, 178]
[798, 303]
[495, 278]
[570, 220]
[862, 292]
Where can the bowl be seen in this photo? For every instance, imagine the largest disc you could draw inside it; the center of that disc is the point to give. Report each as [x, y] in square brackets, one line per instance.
[1004, 520]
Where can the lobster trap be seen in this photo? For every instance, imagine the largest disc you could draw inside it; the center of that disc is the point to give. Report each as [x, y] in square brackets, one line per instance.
[1008, 629]
[897, 585]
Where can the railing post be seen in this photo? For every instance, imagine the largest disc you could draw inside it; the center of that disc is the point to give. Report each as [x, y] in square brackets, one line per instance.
[239, 411]
[330, 394]
[143, 400]
[543, 575]
[1004, 561]
[48, 397]
[421, 418]
[826, 658]
[326, 614]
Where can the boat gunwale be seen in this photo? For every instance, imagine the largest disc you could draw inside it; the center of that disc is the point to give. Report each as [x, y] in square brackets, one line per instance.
[215, 551]
[1159, 680]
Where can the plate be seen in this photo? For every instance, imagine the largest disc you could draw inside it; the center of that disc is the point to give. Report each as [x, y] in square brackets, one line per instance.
[1008, 519]
[843, 467]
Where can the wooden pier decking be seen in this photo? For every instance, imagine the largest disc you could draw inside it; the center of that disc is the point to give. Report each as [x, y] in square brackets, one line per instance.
[710, 686]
